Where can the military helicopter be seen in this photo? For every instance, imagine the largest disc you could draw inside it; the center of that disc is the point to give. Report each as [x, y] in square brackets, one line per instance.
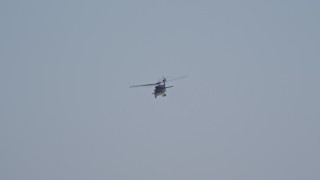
[160, 86]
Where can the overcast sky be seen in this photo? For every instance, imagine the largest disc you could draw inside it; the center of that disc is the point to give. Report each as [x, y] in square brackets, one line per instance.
[249, 108]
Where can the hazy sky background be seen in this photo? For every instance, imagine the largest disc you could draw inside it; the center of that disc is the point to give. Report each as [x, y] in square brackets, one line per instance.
[249, 109]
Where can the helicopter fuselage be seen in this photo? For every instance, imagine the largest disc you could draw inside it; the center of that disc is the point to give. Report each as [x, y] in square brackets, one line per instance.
[159, 90]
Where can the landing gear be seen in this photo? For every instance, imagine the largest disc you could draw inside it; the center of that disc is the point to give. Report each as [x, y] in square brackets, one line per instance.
[164, 95]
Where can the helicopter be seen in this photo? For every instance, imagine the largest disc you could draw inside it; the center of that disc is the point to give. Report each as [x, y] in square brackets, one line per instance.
[160, 86]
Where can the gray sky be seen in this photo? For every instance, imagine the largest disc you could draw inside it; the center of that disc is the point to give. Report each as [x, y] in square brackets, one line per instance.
[249, 109]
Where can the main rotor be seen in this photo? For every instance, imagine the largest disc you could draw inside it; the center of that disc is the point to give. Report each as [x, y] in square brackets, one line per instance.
[163, 81]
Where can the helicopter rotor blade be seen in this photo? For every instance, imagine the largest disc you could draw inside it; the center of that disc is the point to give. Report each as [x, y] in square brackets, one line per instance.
[154, 84]
[164, 79]
[176, 78]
